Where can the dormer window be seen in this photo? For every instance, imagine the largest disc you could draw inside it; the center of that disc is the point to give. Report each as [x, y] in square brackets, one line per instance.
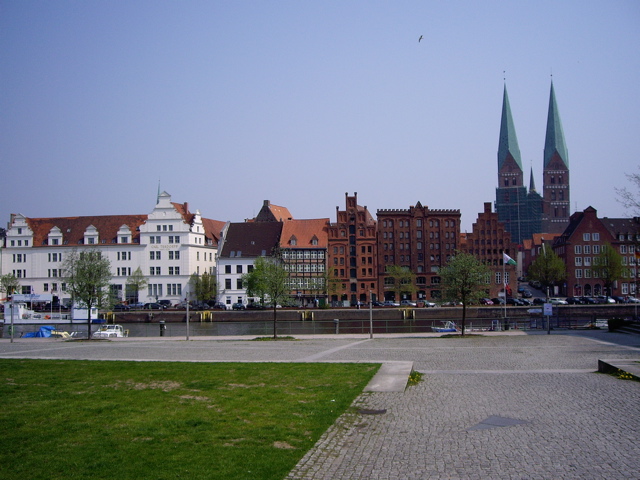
[314, 240]
[55, 236]
[124, 234]
[293, 240]
[91, 235]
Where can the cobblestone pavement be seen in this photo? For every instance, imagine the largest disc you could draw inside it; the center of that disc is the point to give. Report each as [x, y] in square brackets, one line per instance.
[513, 406]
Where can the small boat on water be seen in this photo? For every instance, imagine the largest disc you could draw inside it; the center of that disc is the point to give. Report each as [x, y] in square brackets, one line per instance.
[19, 313]
[448, 327]
[111, 331]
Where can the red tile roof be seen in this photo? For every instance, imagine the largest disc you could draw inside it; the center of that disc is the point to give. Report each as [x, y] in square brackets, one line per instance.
[304, 232]
[73, 228]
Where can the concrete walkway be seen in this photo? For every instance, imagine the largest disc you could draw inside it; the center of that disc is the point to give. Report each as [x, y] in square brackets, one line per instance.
[510, 405]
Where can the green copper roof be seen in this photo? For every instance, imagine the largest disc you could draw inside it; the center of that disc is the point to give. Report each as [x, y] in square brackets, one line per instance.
[532, 185]
[508, 140]
[554, 141]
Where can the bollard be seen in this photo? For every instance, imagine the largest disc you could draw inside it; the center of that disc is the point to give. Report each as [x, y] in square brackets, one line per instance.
[162, 328]
[337, 324]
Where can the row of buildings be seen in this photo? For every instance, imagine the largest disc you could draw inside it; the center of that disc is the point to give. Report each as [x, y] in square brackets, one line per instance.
[343, 260]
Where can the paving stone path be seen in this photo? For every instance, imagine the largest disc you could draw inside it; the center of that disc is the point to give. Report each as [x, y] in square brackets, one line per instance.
[512, 406]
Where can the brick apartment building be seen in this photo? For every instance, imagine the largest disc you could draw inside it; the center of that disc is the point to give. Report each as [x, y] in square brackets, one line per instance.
[420, 239]
[582, 242]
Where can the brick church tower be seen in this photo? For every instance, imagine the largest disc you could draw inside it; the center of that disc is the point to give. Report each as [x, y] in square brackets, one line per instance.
[556, 191]
[523, 212]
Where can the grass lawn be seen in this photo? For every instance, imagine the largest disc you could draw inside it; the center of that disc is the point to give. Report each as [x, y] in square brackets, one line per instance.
[66, 419]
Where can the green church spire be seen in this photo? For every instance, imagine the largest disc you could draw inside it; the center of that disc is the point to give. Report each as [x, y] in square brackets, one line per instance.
[554, 141]
[532, 184]
[508, 140]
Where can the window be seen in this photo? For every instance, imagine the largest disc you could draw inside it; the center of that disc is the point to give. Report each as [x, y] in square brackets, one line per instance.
[596, 237]
[587, 249]
[578, 273]
[227, 269]
[239, 284]
[586, 237]
[577, 249]
[498, 278]
[227, 283]
[578, 261]
[238, 268]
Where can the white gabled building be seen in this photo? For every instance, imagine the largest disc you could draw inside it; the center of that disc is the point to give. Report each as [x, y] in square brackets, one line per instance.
[169, 245]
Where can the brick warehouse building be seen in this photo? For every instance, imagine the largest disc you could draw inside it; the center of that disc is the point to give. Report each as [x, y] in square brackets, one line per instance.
[420, 239]
[352, 254]
[488, 240]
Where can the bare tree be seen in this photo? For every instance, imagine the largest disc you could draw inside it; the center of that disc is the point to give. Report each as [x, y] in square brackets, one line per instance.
[630, 199]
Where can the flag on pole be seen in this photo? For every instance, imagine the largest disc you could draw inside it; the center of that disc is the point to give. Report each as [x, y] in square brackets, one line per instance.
[507, 260]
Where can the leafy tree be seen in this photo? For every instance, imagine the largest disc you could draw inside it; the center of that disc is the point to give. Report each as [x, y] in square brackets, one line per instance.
[268, 280]
[463, 280]
[9, 283]
[88, 274]
[136, 282]
[404, 281]
[203, 286]
[608, 267]
[548, 268]
[628, 198]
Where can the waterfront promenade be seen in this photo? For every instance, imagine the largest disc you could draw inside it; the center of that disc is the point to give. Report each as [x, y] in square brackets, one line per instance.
[503, 405]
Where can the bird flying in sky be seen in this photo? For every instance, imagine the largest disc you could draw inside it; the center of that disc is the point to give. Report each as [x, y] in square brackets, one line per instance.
[420, 39]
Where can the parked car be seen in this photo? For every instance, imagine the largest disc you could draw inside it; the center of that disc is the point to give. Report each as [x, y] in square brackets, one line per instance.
[619, 299]
[238, 306]
[152, 306]
[535, 284]
[486, 301]
[605, 299]
[575, 301]
[633, 300]
[218, 306]
[165, 303]
[428, 304]
[498, 301]
[121, 307]
[199, 306]
[589, 300]
[390, 303]
[255, 306]
[514, 302]
[527, 293]
[558, 301]
[136, 305]
[407, 303]
[539, 301]
[376, 303]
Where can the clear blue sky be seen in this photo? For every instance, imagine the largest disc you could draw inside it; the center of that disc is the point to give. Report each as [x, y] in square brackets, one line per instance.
[229, 103]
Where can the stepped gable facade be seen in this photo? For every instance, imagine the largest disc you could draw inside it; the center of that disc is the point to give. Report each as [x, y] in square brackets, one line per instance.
[352, 255]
